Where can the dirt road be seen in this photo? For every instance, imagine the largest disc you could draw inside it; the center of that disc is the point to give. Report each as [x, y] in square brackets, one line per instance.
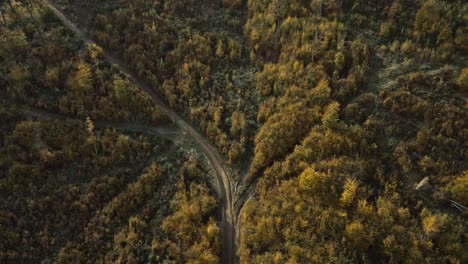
[213, 156]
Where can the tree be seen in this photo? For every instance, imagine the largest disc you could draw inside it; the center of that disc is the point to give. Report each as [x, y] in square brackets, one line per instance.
[2, 14]
[220, 48]
[19, 78]
[278, 8]
[10, 4]
[432, 223]
[321, 93]
[238, 125]
[121, 91]
[349, 192]
[314, 182]
[281, 132]
[458, 189]
[235, 152]
[29, 4]
[339, 61]
[462, 79]
[52, 76]
[90, 129]
[394, 9]
[331, 114]
[121, 147]
[81, 81]
[89, 126]
[191, 208]
[356, 234]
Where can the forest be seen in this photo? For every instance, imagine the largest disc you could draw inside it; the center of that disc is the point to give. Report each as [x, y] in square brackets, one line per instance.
[340, 127]
[366, 104]
[75, 189]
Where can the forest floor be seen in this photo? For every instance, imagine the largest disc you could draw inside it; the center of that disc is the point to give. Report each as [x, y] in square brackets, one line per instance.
[216, 161]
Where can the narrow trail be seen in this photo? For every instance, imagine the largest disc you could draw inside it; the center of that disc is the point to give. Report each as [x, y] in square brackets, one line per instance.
[166, 131]
[214, 157]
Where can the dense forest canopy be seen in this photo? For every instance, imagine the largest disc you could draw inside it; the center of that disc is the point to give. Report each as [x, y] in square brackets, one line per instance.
[76, 184]
[344, 124]
[364, 103]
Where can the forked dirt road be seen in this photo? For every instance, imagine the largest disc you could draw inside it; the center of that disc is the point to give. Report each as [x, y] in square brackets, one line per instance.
[213, 156]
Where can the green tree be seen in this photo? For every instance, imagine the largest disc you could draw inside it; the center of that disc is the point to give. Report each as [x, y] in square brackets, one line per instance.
[121, 91]
[91, 137]
[462, 79]
[458, 189]
[349, 192]
[19, 77]
[314, 182]
[355, 232]
[81, 84]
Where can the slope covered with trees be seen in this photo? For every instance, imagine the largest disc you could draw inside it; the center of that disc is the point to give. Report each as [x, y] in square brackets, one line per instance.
[44, 65]
[191, 52]
[74, 194]
[73, 191]
[358, 123]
